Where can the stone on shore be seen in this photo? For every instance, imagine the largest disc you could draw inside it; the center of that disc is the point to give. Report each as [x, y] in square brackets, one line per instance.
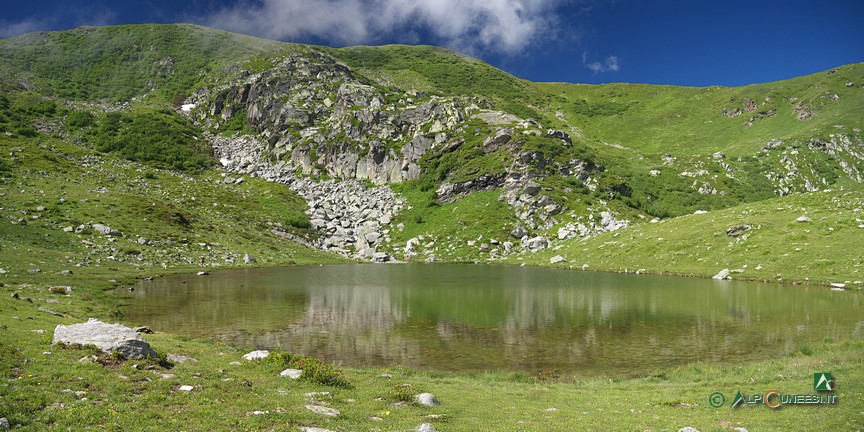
[108, 337]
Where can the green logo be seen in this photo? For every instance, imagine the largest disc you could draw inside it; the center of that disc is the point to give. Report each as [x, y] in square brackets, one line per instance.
[823, 381]
[717, 399]
[739, 399]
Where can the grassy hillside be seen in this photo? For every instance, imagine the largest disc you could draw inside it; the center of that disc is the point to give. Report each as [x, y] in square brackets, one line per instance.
[444, 72]
[119, 63]
[770, 245]
[53, 193]
[686, 121]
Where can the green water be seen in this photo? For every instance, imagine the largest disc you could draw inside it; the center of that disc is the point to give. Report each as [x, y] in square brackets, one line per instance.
[479, 317]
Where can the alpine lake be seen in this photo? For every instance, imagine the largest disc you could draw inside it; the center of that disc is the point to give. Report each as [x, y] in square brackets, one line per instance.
[452, 317]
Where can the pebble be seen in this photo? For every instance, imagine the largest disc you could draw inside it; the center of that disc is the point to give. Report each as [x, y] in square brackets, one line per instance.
[186, 388]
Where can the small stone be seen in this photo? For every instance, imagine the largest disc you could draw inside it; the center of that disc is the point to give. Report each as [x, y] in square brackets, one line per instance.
[203, 273]
[143, 329]
[329, 412]
[838, 285]
[314, 429]
[557, 259]
[386, 376]
[256, 355]
[723, 274]
[427, 399]
[186, 388]
[553, 409]
[4, 423]
[249, 259]
[688, 429]
[803, 219]
[292, 373]
[177, 358]
[426, 427]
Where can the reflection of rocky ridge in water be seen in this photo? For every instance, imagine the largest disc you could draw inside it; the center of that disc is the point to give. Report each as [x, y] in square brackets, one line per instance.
[360, 320]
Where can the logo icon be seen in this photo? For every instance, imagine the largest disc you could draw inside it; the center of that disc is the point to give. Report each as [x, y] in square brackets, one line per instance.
[823, 381]
[739, 399]
[717, 399]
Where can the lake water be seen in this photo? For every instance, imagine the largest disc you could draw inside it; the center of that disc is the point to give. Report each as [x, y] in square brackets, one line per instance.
[482, 317]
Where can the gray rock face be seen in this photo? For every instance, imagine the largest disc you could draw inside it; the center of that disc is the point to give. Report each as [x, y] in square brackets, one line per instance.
[108, 337]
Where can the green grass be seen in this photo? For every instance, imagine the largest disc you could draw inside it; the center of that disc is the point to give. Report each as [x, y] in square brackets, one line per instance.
[686, 121]
[121, 62]
[441, 71]
[825, 250]
[477, 218]
[51, 185]
[39, 389]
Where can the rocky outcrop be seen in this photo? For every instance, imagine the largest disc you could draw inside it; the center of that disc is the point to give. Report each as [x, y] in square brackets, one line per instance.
[351, 218]
[311, 110]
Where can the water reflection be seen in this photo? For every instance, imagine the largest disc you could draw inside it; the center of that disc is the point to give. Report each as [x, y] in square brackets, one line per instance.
[458, 317]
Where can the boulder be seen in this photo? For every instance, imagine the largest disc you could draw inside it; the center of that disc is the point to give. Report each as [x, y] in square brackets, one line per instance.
[427, 399]
[738, 230]
[723, 274]
[256, 355]
[557, 259]
[108, 337]
[426, 427]
[107, 230]
[248, 259]
[519, 232]
[329, 412]
[803, 219]
[292, 373]
[537, 243]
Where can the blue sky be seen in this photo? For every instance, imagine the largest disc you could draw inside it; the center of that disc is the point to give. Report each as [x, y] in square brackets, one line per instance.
[695, 43]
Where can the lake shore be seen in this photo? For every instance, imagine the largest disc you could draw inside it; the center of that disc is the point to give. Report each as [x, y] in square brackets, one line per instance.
[252, 396]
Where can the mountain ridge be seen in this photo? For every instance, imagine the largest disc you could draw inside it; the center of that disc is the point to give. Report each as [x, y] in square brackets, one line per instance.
[543, 164]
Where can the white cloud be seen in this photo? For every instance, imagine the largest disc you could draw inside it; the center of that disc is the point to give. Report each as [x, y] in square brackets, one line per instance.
[78, 17]
[8, 29]
[502, 26]
[610, 64]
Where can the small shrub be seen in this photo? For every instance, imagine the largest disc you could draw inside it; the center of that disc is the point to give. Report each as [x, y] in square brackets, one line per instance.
[297, 220]
[313, 369]
[402, 392]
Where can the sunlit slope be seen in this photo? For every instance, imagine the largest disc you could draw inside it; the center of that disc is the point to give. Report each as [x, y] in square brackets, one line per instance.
[766, 240]
[693, 121]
